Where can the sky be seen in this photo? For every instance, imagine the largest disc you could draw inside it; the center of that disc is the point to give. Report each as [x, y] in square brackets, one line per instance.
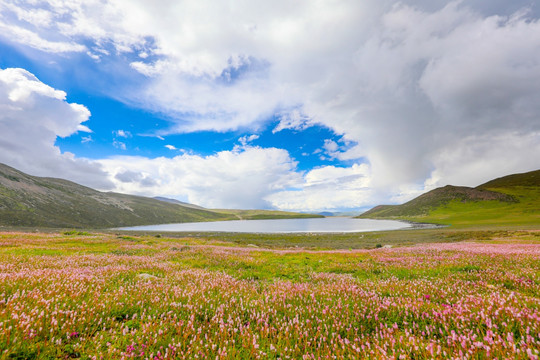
[329, 105]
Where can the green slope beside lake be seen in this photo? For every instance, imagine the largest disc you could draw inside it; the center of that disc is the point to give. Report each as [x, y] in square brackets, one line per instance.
[512, 200]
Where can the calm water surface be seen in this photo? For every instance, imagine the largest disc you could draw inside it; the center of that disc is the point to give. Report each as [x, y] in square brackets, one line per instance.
[320, 225]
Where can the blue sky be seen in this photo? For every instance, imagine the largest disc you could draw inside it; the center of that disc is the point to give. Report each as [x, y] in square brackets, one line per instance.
[295, 106]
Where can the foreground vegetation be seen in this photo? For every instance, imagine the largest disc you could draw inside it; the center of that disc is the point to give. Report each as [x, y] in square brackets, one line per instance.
[93, 296]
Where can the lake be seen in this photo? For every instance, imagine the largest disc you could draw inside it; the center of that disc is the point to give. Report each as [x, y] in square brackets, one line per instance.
[318, 225]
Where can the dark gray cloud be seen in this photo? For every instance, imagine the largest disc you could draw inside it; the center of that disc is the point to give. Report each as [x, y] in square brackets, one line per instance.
[486, 8]
[141, 179]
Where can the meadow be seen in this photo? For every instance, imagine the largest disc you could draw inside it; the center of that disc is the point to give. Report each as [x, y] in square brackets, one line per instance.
[472, 295]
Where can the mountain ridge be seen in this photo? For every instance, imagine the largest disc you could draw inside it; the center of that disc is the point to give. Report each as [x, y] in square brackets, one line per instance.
[27, 200]
[32, 201]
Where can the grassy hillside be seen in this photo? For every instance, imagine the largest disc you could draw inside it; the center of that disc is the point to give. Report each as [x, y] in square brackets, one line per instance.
[510, 200]
[528, 179]
[46, 202]
[424, 204]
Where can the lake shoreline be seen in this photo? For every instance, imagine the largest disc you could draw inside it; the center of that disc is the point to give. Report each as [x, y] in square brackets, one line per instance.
[308, 226]
[422, 225]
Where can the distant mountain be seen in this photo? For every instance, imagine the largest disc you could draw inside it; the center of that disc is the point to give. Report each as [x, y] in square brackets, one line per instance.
[340, 213]
[513, 199]
[27, 200]
[326, 213]
[178, 202]
[265, 214]
[347, 213]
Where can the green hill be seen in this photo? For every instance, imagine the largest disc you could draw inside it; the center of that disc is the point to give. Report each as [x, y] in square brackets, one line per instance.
[47, 202]
[510, 200]
[530, 179]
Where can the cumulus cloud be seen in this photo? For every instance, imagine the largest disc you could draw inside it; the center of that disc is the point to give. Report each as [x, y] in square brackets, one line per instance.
[32, 116]
[65, 26]
[119, 145]
[328, 188]
[424, 88]
[292, 119]
[484, 154]
[245, 140]
[249, 177]
[457, 79]
[24, 36]
[122, 133]
[240, 178]
[406, 82]
[142, 179]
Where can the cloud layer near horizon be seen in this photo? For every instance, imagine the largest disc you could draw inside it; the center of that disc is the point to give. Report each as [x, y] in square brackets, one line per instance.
[432, 92]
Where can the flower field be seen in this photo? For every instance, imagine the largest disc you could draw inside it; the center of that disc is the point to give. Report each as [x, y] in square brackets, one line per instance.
[98, 296]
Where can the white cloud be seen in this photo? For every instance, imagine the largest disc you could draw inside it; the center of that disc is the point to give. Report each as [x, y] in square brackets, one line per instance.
[228, 179]
[426, 88]
[478, 159]
[331, 148]
[32, 116]
[21, 35]
[119, 145]
[293, 119]
[328, 188]
[408, 85]
[246, 139]
[342, 150]
[171, 147]
[424, 81]
[122, 133]
[65, 26]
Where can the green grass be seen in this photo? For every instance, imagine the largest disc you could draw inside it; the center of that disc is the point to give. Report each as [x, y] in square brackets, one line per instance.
[295, 263]
[525, 212]
[84, 294]
[509, 202]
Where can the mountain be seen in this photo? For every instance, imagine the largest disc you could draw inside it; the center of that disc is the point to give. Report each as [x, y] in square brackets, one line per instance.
[510, 200]
[27, 200]
[425, 203]
[326, 213]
